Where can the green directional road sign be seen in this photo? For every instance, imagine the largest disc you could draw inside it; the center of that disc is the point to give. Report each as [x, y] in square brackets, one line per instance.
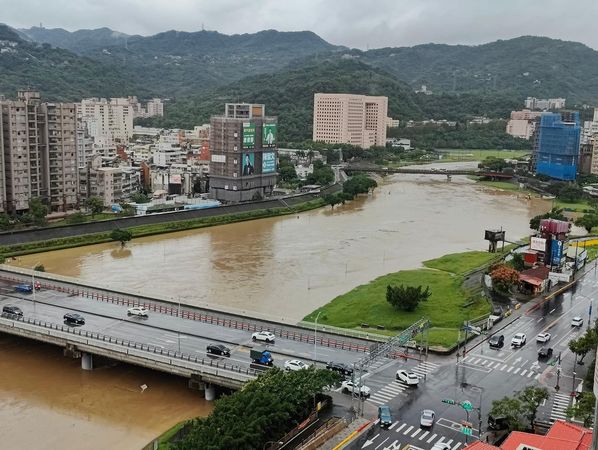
[466, 405]
[450, 401]
[467, 431]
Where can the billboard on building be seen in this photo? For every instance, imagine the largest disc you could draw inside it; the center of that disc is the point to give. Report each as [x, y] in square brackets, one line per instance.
[268, 162]
[537, 243]
[269, 135]
[248, 135]
[175, 179]
[556, 252]
[248, 164]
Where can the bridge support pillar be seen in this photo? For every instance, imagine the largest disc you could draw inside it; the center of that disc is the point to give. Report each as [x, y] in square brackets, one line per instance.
[210, 392]
[86, 361]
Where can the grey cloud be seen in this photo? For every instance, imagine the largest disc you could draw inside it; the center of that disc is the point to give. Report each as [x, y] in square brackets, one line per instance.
[354, 23]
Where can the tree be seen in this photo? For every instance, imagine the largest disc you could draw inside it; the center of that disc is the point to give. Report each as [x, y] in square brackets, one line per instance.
[264, 410]
[512, 409]
[517, 262]
[584, 344]
[503, 277]
[571, 193]
[140, 197]
[531, 398]
[38, 211]
[588, 221]
[406, 298]
[123, 236]
[583, 409]
[332, 199]
[95, 205]
[5, 221]
[359, 184]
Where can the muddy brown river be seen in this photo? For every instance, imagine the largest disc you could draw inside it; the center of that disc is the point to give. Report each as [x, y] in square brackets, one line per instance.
[280, 268]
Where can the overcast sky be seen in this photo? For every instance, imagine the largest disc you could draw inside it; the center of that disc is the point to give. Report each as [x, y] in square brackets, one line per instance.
[354, 23]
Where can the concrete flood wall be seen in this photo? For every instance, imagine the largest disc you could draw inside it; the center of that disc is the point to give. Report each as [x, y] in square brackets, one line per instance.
[43, 234]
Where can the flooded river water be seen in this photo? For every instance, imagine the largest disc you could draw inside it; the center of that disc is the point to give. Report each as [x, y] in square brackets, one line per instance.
[280, 267]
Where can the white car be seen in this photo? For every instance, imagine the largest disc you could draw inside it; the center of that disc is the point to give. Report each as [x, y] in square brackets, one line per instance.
[137, 311]
[348, 387]
[576, 322]
[543, 337]
[427, 418]
[441, 446]
[295, 364]
[518, 340]
[265, 336]
[407, 377]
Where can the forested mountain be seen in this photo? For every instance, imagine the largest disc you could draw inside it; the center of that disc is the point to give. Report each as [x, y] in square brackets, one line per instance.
[525, 66]
[289, 95]
[178, 63]
[80, 41]
[58, 74]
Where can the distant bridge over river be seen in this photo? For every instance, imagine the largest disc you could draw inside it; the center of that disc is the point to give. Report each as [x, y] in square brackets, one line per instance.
[431, 171]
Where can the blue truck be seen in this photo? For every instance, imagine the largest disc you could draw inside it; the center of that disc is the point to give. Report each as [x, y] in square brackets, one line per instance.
[261, 357]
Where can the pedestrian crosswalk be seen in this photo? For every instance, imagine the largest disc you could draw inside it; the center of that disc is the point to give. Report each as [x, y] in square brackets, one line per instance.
[414, 434]
[488, 365]
[560, 403]
[396, 387]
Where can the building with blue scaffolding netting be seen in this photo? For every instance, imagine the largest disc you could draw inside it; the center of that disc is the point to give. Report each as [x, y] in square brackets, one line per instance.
[556, 146]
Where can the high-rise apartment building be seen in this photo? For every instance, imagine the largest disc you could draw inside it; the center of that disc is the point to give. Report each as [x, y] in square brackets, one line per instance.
[243, 153]
[350, 119]
[108, 121]
[39, 153]
[522, 123]
[154, 107]
[556, 145]
[544, 103]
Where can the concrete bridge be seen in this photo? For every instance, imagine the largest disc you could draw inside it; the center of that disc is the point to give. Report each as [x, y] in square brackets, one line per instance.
[432, 171]
[172, 339]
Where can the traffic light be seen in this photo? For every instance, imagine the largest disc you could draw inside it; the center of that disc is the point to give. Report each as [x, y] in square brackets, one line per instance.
[466, 405]
[449, 401]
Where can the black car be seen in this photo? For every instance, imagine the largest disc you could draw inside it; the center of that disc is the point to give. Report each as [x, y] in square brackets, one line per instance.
[11, 310]
[496, 341]
[544, 352]
[218, 349]
[74, 318]
[340, 367]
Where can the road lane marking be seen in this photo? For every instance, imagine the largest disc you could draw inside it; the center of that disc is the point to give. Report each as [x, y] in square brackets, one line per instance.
[510, 368]
[523, 372]
[516, 370]
[529, 375]
[459, 444]
[504, 366]
[408, 430]
[416, 432]
[402, 425]
[483, 362]
[537, 376]
[382, 442]
[424, 435]
[474, 361]
[377, 402]
[393, 425]
[432, 438]
[449, 442]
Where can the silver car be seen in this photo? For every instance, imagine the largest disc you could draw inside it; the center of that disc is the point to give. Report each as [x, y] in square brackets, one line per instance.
[427, 418]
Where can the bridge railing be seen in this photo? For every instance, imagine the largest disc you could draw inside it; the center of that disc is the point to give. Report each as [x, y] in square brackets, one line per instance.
[302, 332]
[107, 342]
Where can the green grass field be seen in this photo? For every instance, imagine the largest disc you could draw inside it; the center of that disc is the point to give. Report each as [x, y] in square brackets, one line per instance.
[448, 306]
[573, 206]
[480, 155]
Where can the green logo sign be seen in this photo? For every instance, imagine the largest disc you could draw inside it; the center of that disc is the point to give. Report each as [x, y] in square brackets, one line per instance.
[467, 431]
[248, 135]
[467, 406]
[269, 135]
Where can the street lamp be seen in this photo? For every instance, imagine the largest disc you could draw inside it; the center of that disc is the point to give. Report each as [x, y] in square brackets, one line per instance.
[33, 281]
[315, 338]
[271, 442]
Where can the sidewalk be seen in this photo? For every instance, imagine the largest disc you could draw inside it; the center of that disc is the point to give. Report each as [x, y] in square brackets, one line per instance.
[355, 428]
